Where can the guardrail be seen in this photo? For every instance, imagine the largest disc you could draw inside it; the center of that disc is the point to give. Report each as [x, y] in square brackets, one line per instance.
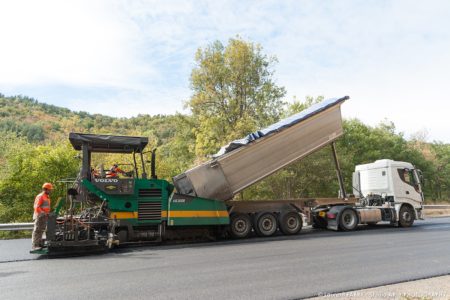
[436, 206]
[16, 226]
[29, 226]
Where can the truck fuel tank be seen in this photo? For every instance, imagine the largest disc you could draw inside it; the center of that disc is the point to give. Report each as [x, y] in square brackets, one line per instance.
[369, 215]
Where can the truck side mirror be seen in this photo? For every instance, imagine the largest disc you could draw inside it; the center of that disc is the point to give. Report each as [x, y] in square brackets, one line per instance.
[421, 178]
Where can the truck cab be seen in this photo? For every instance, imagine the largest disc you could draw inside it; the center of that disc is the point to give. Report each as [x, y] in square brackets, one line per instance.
[389, 183]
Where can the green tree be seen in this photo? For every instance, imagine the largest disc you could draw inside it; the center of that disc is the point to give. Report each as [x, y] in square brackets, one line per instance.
[26, 168]
[437, 179]
[233, 93]
[297, 106]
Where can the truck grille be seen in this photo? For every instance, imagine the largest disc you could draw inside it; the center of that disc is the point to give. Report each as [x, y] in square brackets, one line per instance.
[149, 211]
[153, 193]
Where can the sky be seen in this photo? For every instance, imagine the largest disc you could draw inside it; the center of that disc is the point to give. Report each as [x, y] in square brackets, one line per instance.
[124, 58]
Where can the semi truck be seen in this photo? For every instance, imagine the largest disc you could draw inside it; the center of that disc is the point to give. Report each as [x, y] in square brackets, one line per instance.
[103, 211]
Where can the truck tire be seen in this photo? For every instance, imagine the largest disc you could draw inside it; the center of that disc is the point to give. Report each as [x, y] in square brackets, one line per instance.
[265, 224]
[348, 220]
[406, 216]
[290, 222]
[240, 226]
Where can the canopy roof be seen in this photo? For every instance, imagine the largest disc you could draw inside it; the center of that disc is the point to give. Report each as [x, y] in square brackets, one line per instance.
[108, 143]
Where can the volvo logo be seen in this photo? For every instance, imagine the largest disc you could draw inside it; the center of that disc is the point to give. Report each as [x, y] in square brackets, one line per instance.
[107, 180]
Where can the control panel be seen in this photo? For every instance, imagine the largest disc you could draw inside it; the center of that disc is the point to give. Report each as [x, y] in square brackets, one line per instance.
[115, 186]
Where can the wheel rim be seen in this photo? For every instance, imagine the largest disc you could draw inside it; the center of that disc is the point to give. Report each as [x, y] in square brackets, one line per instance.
[240, 226]
[348, 219]
[406, 216]
[292, 223]
[267, 225]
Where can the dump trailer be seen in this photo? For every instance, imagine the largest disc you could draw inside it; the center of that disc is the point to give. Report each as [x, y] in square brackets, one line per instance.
[103, 211]
[247, 161]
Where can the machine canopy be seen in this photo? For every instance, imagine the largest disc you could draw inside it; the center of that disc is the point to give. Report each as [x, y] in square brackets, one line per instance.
[108, 143]
[285, 123]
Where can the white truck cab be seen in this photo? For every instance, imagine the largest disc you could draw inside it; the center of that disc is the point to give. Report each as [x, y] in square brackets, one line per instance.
[389, 183]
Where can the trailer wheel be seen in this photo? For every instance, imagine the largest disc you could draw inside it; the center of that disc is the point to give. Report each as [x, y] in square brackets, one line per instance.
[240, 226]
[290, 222]
[348, 220]
[265, 224]
[406, 216]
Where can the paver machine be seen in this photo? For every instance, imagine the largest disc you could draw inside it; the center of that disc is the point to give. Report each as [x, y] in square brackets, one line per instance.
[102, 211]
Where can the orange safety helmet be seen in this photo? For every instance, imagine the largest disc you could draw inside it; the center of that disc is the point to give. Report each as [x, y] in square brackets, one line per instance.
[47, 186]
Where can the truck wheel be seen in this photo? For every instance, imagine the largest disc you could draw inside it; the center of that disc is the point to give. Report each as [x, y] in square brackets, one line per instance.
[290, 222]
[406, 216]
[240, 226]
[266, 224]
[348, 220]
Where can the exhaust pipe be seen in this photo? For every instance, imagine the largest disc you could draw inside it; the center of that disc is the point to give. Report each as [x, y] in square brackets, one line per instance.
[153, 165]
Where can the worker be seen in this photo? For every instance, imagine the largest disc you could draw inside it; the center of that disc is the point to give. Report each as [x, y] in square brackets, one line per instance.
[40, 216]
[95, 173]
[113, 172]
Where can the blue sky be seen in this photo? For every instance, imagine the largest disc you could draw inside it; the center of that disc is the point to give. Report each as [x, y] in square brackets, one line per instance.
[123, 58]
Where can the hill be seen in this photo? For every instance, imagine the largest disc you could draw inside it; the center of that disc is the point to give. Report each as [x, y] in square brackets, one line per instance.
[40, 122]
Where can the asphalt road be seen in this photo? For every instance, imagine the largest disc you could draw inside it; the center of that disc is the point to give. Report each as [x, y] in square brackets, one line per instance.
[310, 264]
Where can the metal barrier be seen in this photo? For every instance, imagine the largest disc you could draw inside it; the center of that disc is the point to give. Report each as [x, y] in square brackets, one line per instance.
[436, 206]
[29, 226]
[16, 226]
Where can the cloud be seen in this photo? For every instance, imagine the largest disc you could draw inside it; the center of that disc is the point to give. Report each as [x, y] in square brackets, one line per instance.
[79, 43]
[391, 57]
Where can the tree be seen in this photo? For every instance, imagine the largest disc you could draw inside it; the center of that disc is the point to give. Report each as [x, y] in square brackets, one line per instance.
[437, 179]
[26, 168]
[297, 106]
[233, 93]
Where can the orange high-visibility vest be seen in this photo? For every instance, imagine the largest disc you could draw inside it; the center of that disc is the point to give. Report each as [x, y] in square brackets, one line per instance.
[113, 172]
[41, 204]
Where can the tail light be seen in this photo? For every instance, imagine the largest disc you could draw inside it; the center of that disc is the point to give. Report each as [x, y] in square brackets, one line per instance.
[331, 216]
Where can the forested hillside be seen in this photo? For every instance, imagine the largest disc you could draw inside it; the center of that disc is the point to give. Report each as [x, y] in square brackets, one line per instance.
[233, 94]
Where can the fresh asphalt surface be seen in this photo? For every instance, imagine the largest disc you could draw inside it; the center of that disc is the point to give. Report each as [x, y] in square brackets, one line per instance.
[310, 264]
